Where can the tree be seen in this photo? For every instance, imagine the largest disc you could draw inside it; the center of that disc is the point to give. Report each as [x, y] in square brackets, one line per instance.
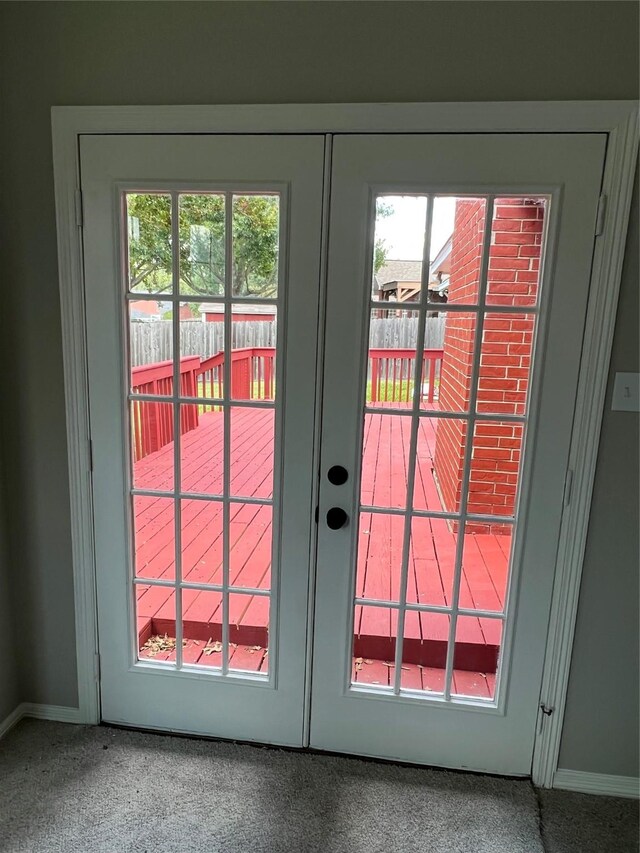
[380, 248]
[255, 223]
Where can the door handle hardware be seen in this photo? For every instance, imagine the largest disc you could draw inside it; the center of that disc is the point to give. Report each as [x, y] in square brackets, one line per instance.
[337, 475]
[337, 518]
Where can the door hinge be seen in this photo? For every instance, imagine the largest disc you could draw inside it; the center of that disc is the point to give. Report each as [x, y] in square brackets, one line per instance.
[91, 456]
[545, 712]
[317, 514]
[96, 666]
[79, 214]
[601, 214]
[568, 485]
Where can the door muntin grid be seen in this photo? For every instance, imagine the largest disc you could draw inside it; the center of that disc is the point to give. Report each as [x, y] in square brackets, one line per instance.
[231, 389]
[498, 303]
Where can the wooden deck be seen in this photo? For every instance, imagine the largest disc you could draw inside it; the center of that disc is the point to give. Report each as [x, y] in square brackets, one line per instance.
[379, 554]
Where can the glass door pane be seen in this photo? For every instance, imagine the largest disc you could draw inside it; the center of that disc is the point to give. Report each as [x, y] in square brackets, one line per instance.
[443, 434]
[193, 351]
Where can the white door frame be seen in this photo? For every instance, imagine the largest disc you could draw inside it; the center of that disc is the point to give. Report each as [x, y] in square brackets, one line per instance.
[618, 119]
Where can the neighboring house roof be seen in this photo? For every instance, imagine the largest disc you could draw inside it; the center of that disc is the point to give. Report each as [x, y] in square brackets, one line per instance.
[394, 271]
[147, 309]
[440, 269]
[186, 313]
[143, 309]
[404, 277]
[441, 264]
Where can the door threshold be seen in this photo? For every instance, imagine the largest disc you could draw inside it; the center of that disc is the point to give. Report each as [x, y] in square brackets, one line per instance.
[308, 750]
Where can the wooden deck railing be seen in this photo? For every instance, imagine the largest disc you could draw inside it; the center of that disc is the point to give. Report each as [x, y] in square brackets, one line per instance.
[390, 379]
[252, 378]
[391, 372]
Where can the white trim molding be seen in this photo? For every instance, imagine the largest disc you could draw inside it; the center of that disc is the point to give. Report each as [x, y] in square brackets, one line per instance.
[617, 187]
[617, 119]
[597, 783]
[11, 720]
[57, 713]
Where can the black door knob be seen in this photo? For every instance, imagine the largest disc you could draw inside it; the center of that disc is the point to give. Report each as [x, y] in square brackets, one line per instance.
[337, 475]
[336, 518]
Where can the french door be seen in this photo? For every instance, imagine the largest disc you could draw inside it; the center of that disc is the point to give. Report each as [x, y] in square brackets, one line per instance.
[202, 276]
[449, 392]
[457, 272]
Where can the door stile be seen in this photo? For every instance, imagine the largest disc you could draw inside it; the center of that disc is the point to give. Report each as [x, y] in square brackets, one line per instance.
[317, 434]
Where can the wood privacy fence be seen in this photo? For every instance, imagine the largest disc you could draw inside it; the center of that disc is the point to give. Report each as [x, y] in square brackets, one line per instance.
[151, 341]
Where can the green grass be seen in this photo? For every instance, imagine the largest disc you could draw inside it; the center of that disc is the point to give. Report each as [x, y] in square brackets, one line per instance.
[388, 392]
[256, 392]
[401, 392]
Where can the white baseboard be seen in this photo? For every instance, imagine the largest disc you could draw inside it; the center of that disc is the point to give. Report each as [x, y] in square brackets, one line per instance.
[9, 722]
[597, 783]
[59, 713]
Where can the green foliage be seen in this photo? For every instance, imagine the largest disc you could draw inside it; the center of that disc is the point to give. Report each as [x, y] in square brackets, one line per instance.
[380, 248]
[379, 255]
[255, 245]
[149, 222]
[202, 244]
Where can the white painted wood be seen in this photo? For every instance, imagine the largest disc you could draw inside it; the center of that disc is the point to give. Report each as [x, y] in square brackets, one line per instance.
[146, 694]
[11, 720]
[493, 117]
[597, 783]
[619, 119]
[622, 152]
[59, 713]
[317, 415]
[65, 158]
[468, 733]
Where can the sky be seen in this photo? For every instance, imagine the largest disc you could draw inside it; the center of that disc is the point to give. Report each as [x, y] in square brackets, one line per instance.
[403, 231]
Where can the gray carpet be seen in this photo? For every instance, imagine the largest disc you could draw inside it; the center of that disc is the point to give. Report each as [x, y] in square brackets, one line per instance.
[588, 824]
[75, 789]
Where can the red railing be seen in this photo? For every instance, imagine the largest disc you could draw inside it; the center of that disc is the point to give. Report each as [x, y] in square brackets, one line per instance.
[391, 372]
[390, 379]
[252, 378]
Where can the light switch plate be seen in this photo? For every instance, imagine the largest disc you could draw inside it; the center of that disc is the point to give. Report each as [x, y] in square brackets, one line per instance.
[626, 393]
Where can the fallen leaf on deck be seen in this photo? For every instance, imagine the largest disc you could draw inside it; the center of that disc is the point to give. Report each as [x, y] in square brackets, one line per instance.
[158, 643]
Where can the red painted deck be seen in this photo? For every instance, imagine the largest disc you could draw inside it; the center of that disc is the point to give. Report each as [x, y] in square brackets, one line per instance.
[380, 547]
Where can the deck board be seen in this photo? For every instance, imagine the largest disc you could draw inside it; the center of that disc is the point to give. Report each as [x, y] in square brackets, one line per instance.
[380, 542]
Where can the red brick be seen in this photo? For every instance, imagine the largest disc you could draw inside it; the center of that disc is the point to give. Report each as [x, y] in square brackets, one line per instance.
[527, 275]
[510, 287]
[517, 213]
[506, 225]
[518, 239]
[493, 428]
[508, 251]
[507, 264]
[529, 251]
[497, 385]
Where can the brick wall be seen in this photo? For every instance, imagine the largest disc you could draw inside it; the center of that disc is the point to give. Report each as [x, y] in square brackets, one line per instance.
[507, 341]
